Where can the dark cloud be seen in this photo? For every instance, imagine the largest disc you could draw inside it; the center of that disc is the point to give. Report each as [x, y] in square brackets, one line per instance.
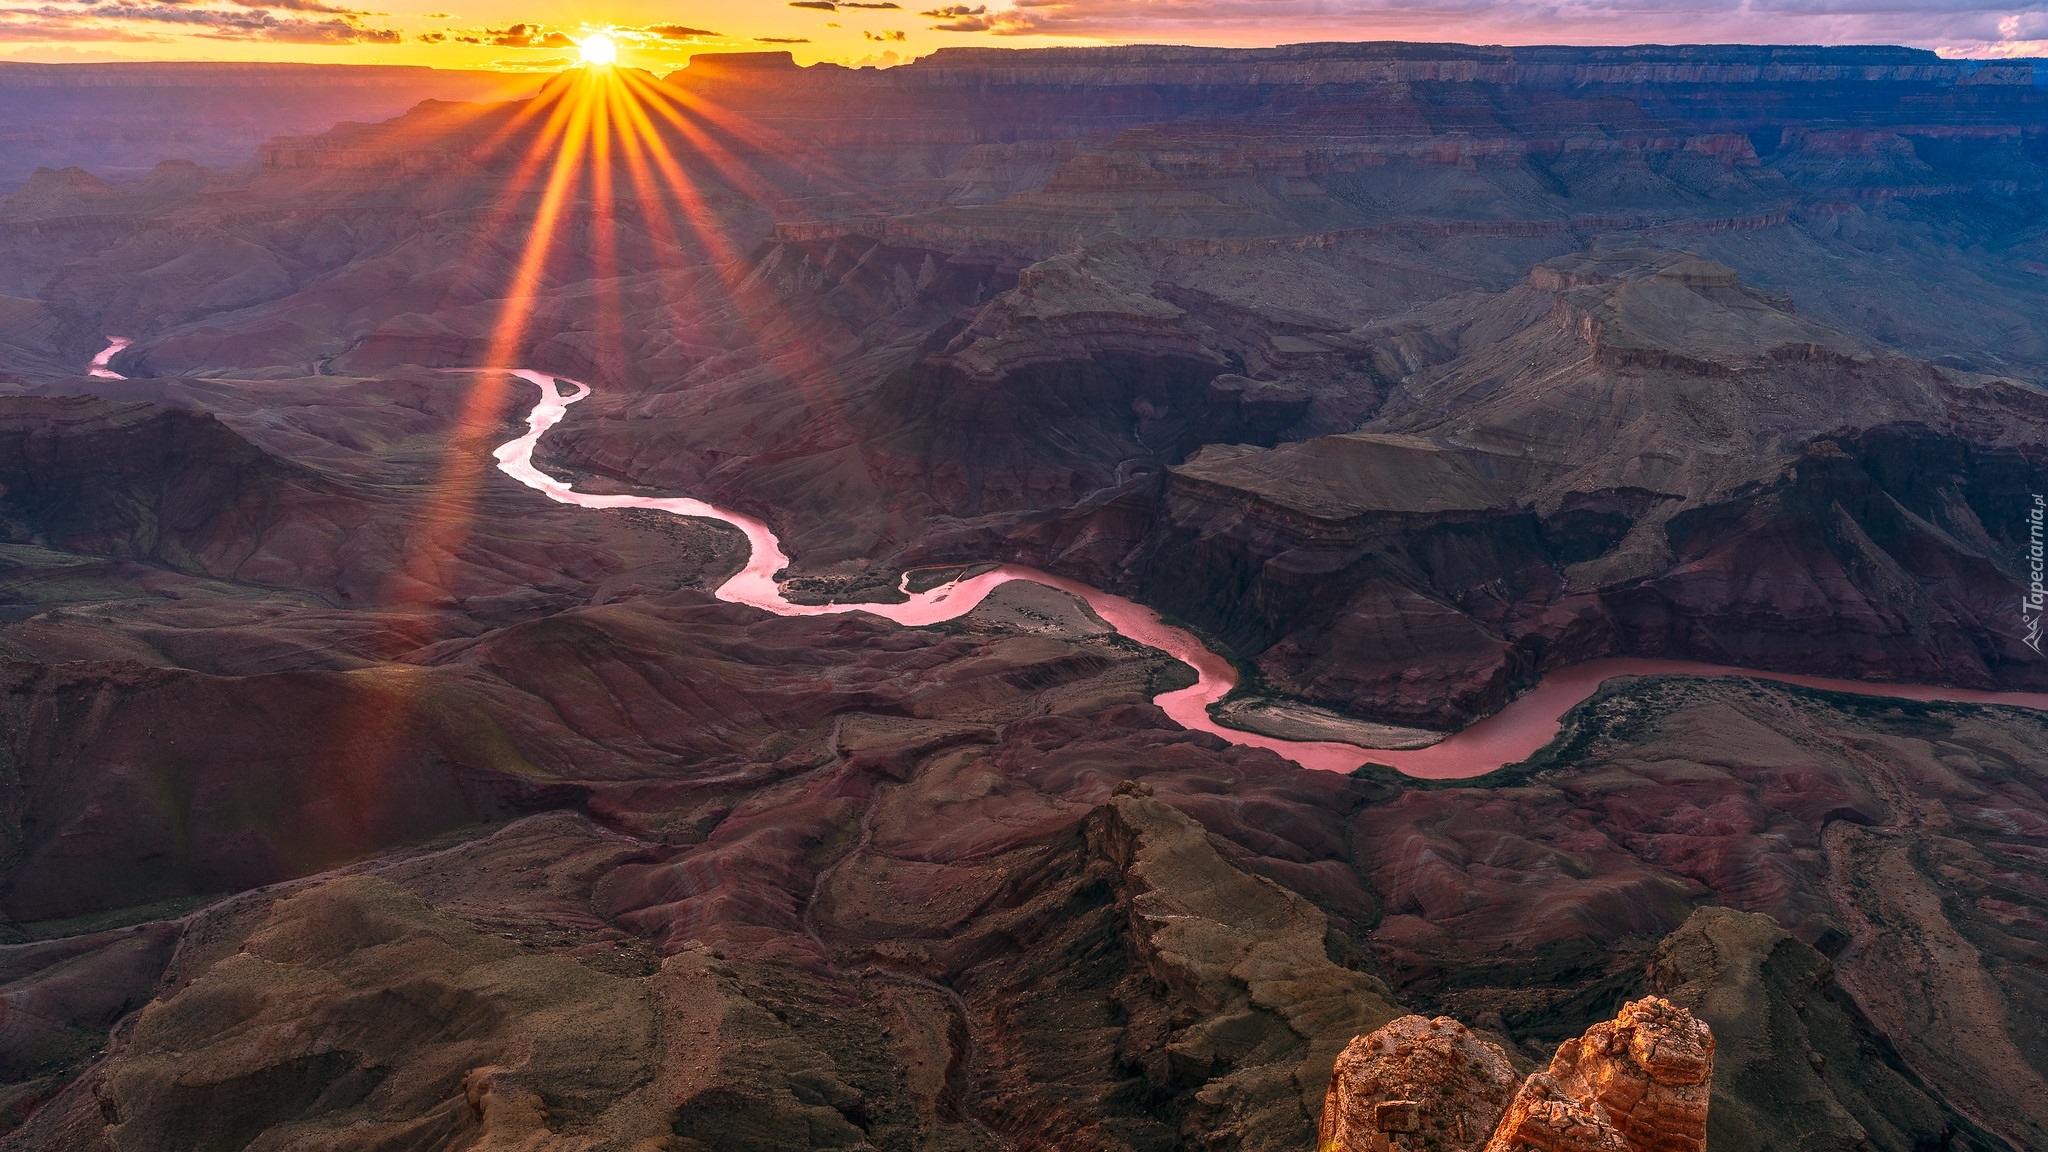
[249, 22]
[782, 40]
[856, 4]
[959, 18]
[314, 32]
[883, 35]
[679, 32]
[521, 35]
[820, 5]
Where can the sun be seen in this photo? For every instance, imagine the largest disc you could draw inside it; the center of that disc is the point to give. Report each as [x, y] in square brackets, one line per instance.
[598, 50]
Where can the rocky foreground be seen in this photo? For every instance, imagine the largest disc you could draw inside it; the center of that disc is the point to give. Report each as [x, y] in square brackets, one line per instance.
[1639, 1082]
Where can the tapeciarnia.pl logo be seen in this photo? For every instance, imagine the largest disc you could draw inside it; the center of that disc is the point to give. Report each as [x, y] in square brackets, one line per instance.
[2036, 599]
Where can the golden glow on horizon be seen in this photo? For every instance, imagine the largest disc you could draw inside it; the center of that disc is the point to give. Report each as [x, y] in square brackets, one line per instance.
[518, 36]
[661, 35]
[598, 50]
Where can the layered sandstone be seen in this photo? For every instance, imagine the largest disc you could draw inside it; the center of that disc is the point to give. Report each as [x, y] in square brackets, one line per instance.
[1435, 1082]
[1648, 1072]
[1637, 1083]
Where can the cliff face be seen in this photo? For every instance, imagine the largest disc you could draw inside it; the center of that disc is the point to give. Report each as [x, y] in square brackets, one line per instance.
[1514, 504]
[1311, 112]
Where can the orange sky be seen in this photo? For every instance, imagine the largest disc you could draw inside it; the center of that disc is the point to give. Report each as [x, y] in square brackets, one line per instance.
[661, 34]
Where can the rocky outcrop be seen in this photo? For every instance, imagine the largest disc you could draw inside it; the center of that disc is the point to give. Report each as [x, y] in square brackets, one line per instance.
[1433, 1084]
[1547, 1117]
[1638, 1083]
[1648, 1072]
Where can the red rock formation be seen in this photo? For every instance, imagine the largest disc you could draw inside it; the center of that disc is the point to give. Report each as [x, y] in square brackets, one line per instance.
[1546, 1117]
[1637, 1083]
[1649, 1070]
[1434, 1082]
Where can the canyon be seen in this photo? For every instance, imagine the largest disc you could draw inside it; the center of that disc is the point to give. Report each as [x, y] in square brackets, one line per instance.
[1644, 437]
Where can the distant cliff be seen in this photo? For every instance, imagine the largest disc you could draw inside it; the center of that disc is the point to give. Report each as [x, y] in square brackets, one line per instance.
[114, 117]
[1383, 62]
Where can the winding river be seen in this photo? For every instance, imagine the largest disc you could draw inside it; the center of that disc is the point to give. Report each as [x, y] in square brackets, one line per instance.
[102, 364]
[1512, 734]
[1529, 722]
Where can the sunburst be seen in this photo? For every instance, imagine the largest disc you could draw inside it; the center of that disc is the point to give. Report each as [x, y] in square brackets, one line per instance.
[598, 50]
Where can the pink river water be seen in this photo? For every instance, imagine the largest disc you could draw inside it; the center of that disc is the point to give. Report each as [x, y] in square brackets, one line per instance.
[102, 363]
[1510, 735]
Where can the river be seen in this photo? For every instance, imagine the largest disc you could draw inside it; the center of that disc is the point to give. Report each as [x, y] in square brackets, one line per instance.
[1512, 734]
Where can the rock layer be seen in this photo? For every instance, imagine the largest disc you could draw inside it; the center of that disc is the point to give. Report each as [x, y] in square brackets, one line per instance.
[1457, 1083]
[1637, 1083]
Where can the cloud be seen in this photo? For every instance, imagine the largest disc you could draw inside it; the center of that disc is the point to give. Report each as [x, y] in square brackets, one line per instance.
[312, 32]
[251, 20]
[437, 16]
[782, 40]
[857, 4]
[35, 30]
[883, 35]
[680, 32]
[960, 18]
[521, 35]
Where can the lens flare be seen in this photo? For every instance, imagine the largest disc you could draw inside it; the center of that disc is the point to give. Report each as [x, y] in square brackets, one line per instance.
[602, 161]
[598, 50]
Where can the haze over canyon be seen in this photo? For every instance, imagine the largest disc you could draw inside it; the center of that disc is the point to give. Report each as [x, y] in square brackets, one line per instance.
[1119, 598]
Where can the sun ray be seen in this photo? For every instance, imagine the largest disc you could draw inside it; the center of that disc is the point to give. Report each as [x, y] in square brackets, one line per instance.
[555, 102]
[575, 132]
[608, 319]
[729, 166]
[653, 211]
[674, 102]
[450, 504]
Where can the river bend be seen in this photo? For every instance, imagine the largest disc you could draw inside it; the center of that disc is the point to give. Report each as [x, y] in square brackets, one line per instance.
[1510, 735]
